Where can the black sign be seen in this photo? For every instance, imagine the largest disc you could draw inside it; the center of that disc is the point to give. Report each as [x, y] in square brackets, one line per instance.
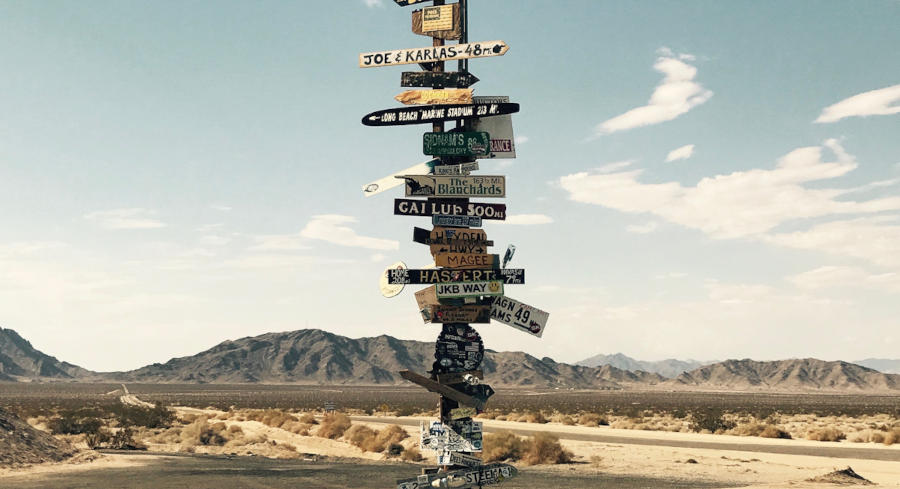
[438, 276]
[404, 3]
[426, 114]
[448, 207]
[423, 236]
[458, 349]
[453, 79]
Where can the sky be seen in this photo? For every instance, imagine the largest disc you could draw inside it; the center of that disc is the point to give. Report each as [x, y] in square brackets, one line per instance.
[695, 179]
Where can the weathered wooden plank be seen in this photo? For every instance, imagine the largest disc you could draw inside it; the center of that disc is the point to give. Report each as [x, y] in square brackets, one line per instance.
[466, 260]
[427, 114]
[459, 79]
[441, 389]
[440, 21]
[443, 314]
[440, 96]
[450, 52]
[459, 377]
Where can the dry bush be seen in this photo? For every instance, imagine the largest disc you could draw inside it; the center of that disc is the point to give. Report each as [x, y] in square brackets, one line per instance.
[169, 436]
[564, 419]
[200, 432]
[544, 448]
[759, 429]
[274, 418]
[892, 436]
[375, 441]
[333, 426]
[826, 434]
[492, 414]
[188, 418]
[772, 431]
[503, 445]
[308, 418]
[592, 419]
[533, 417]
[411, 454]
[596, 460]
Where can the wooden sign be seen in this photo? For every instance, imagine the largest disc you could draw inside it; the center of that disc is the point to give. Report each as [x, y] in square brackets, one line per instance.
[437, 96]
[442, 389]
[450, 52]
[445, 314]
[391, 290]
[466, 260]
[453, 290]
[426, 114]
[456, 143]
[392, 181]
[458, 169]
[493, 186]
[459, 377]
[503, 142]
[448, 207]
[463, 478]
[520, 316]
[459, 79]
[424, 236]
[441, 22]
[431, 276]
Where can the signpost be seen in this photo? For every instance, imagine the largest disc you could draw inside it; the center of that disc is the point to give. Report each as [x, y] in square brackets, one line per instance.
[456, 143]
[452, 186]
[437, 96]
[432, 54]
[459, 79]
[443, 390]
[466, 260]
[426, 114]
[464, 478]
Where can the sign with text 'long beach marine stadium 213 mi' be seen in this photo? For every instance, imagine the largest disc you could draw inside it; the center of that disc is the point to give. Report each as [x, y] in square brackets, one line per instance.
[467, 283]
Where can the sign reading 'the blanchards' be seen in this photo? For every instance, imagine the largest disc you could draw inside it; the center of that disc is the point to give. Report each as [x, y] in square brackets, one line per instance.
[456, 143]
[455, 186]
[520, 316]
[453, 290]
[437, 276]
[431, 54]
[426, 114]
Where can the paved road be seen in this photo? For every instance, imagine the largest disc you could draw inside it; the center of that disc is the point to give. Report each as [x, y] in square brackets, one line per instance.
[853, 452]
[216, 472]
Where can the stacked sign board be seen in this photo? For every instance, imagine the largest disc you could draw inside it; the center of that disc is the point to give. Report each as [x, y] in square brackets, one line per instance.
[467, 283]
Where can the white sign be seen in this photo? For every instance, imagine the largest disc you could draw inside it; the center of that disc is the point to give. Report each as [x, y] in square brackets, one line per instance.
[503, 142]
[432, 54]
[442, 438]
[455, 458]
[520, 316]
[392, 181]
[460, 169]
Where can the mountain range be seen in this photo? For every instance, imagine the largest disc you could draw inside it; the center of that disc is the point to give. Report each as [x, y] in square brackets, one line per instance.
[668, 368]
[312, 356]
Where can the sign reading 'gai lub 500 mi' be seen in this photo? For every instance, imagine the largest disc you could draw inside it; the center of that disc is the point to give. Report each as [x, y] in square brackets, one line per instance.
[455, 186]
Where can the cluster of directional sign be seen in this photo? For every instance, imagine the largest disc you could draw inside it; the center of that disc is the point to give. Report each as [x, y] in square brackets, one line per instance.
[466, 284]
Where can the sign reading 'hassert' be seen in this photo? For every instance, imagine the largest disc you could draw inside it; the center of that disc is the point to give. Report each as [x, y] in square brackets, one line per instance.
[455, 186]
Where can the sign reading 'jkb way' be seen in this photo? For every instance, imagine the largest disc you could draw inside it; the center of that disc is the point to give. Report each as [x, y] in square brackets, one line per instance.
[453, 186]
[431, 54]
[435, 113]
[456, 143]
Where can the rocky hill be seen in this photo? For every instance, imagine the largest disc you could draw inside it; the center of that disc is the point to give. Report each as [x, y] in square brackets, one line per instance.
[787, 375]
[668, 368]
[886, 365]
[21, 445]
[21, 361]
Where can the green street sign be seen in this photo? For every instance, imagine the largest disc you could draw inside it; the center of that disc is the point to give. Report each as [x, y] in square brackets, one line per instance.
[456, 143]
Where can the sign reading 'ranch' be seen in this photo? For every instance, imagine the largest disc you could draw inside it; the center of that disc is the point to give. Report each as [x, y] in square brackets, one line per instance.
[433, 276]
[472, 143]
[455, 186]
[426, 114]
[431, 54]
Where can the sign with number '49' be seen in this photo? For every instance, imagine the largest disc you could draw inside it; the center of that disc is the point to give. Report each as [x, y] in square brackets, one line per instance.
[520, 316]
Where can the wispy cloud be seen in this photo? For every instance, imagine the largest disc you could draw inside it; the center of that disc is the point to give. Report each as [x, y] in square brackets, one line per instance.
[373, 3]
[527, 219]
[675, 95]
[681, 153]
[883, 101]
[220, 207]
[330, 228]
[132, 218]
[846, 277]
[280, 242]
[645, 228]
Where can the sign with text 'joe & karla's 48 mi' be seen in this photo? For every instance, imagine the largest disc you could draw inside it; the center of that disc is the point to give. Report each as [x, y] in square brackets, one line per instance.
[432, 54]
[455, 186]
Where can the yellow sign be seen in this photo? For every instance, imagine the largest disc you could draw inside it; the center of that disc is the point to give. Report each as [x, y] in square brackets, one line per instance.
[438, 96]
[438, 18]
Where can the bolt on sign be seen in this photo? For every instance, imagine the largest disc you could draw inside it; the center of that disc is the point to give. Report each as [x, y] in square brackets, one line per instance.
[503, 142]
[450, 52]
[441, 22]
[427, 114]
[437, 96]
[455, 186]
[391, 181]
[459, 79]
[466, 260]
[456, 143]
[520, 316]
[453, 290]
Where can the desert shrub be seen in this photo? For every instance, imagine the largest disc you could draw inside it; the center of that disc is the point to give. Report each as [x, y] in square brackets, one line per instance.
[564, 419]
[503, 445]
[123, 439]
[200, 432]
[158, 416]
[544, 448]
[274, 418]
[73, 423]
[375, 441]
[308, 418]
[892, 436]
[772, 431]
[826, 434]
[533, 417]
[712, 420]
[411, 455]
[596, 460]
[97, 439]
[592, 419]
[333, 426]
[759, 429]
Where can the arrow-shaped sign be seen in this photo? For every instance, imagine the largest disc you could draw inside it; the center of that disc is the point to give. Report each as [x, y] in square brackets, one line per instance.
[431, 54]
[427, 114]
[442, 96]
[458, 79]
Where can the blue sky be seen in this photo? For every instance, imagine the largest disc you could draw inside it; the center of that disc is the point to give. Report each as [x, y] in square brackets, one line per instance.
[694, 179]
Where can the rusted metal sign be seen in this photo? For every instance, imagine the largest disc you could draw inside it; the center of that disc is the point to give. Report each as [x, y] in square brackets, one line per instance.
[466, 260]
[456, 169]
[456, 221]
[460, 79]
[470, 143]
[448, 207]
[493, 186]
[392, 181]
[444, 275]
[518, 315]
[441, 22]
[426, 114]
[442, 96]
[450, 52]
[503, 142]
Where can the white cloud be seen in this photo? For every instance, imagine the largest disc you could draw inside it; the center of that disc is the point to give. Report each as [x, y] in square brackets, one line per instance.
[847, 278]
[611, 167]
[527, 219]
[377, 257]
[674, 96]
[645, 228]
[214, 240]
[133, 218]
[280, 242]
[373, 3]
[681, 153]
[281, 261]
[26, 248]
[328, 227]
[737, 293]
[875, 102]
[220, 207]
[521, 139]
[875, 239]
